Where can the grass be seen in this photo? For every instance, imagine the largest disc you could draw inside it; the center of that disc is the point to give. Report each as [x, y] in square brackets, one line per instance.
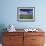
[26, 16]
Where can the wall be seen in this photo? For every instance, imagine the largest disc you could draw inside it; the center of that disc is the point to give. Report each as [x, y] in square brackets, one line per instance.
[9, 13]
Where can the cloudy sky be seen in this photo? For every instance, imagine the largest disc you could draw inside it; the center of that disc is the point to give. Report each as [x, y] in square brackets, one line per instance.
[25, 11]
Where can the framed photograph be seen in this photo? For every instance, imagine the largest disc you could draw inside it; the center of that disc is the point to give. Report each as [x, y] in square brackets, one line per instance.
[26, 14]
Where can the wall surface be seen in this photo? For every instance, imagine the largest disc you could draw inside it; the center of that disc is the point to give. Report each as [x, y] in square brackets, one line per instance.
[9, 13]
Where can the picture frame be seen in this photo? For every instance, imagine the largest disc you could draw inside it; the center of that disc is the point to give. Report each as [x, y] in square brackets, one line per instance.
[26, 14]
